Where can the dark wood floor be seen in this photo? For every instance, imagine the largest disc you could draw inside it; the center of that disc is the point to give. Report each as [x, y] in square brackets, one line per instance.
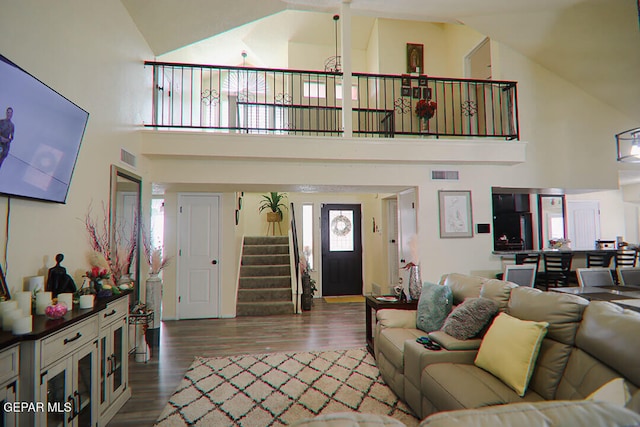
[327, 326]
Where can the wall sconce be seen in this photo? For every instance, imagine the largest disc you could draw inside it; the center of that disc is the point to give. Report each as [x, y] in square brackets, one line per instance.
[628, 145]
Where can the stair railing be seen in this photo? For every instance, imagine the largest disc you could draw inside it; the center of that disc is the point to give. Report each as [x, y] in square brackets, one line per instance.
[296, 253]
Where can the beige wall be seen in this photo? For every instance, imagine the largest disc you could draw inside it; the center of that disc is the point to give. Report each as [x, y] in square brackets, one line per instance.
[91, 53]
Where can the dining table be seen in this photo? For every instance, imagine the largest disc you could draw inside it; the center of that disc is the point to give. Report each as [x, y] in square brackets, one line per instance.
[625, 296]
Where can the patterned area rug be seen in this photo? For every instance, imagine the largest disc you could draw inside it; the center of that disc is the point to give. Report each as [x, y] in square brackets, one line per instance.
[278, 389]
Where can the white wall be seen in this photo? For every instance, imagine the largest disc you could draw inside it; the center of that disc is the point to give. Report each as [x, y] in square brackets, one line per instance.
[91, 53]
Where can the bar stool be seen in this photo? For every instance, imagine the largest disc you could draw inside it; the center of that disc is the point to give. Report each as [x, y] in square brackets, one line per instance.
[557, 268]
[626, 258]
[599, 259]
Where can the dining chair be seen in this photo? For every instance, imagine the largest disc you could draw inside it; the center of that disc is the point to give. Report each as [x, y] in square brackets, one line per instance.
[599, 259]
[628, 276]
[557, 268]
[626, 258]
[523, 275]
[594, 276]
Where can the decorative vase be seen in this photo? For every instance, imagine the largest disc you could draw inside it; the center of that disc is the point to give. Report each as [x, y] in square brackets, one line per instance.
[415, 283]
[424, 124]
[153, 298]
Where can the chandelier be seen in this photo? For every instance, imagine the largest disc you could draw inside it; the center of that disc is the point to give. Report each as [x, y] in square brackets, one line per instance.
[332, 64]
[628, 145]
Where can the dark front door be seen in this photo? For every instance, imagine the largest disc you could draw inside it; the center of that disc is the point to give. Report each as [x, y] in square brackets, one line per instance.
[341, 250]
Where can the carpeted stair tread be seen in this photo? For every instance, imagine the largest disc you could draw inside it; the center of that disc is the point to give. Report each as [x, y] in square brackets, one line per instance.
[270, 259]
[264, 270]
[264, 282]
[264, 308]
[265, 250]
[266, 240]
[264, 295]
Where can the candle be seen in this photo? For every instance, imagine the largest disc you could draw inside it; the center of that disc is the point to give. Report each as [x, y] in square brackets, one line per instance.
[86, 301]
[22, 325]
[36, 283]
[8, 305]
[66, 299]
[9, 317]
[43, 299]
[24, 301]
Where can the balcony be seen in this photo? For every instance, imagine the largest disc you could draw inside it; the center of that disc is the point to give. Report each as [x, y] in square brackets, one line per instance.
[294, 102]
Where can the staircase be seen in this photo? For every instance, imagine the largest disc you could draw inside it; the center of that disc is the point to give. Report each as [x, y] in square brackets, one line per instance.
[265, 277]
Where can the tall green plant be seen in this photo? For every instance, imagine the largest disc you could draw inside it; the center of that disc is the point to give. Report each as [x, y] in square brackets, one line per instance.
[273, 202]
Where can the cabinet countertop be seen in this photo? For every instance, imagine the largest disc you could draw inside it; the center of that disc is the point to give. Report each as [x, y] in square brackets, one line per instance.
[42, 326]
[542, 251]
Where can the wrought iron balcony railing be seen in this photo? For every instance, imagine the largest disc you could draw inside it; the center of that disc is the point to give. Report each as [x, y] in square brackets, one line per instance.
[262, 100]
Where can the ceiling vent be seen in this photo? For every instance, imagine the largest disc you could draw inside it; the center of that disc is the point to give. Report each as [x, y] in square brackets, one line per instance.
[445, 175]
[128, 157]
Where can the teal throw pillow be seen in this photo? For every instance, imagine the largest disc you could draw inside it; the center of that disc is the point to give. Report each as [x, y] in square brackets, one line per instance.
[434, 306]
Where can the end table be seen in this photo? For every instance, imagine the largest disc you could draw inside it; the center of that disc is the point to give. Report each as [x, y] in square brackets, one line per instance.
[373, 304]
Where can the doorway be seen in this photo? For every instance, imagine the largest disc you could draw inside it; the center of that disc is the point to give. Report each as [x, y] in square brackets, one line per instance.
[341, 241]
[198, 255]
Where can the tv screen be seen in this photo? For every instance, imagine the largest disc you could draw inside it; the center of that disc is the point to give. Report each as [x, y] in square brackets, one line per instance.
[40, 136]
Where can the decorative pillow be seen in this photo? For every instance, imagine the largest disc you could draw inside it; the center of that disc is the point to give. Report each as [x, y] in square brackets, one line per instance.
[510, 348]
[469, 318]
[434, 306]
[615, 392]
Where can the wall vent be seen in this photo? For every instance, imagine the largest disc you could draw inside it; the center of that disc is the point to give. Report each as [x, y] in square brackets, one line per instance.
[445, 175]
[128, 157]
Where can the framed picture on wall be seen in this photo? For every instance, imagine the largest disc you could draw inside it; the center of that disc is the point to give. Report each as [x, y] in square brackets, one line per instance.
[426, 92]
[415, 58]
[422, 81]
[416, 93]
[406, 80]
[455, 214]
[406, 91]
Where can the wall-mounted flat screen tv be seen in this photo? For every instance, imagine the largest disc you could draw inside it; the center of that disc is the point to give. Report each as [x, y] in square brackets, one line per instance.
[40, 136]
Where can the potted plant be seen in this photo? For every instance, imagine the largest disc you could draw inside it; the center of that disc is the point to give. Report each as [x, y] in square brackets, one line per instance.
[273, 203]
[308, 285]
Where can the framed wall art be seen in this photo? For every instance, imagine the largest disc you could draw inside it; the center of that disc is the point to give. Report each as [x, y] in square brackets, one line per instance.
[456, 218]
[415, 58]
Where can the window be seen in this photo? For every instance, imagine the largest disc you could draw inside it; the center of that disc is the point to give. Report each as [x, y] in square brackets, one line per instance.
[315, 90]
[354, 92]
[307, 233]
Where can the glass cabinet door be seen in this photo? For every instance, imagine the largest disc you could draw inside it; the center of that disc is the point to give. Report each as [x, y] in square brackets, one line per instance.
[7, 395]
[83, 393]
[117, 358]
[104, 370]
[58, 388]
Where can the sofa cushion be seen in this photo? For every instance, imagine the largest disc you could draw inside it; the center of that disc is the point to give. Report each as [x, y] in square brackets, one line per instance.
[434, 306]
[610, 334]
[498, 291]
[450, 343]
[582, 376]
[463, 286]
[549, 414]
[451, 386]
[391, 342]
[510, 348]
[562, 311]
[615, 392]
[469, 318]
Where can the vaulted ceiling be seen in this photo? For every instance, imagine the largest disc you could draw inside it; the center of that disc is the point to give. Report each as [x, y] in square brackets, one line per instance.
[595, 44]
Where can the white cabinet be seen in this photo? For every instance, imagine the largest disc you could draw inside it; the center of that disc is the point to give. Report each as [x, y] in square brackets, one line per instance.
[76, 368]
[113, 357]
[9, 367]
[69, 390]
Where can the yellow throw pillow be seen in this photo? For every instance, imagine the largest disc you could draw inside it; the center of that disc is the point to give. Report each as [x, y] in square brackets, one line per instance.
[615, 392]
[510, 348]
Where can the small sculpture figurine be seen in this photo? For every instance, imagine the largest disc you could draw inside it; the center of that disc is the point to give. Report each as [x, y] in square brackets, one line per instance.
[58, 280]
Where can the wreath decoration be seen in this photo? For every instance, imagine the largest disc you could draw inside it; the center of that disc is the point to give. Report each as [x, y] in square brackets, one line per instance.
[340, 226]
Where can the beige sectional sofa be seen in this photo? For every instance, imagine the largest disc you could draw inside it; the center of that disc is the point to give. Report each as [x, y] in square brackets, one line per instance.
[586, 345]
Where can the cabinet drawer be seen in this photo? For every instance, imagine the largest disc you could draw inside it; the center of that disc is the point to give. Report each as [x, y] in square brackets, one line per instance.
[9, 363]
[114, 311]
[68, 340]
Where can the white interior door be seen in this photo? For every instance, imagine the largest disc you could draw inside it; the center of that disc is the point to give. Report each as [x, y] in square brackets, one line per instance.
[198, 261]
[392, 243]
[407, 234]
[583, 223]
